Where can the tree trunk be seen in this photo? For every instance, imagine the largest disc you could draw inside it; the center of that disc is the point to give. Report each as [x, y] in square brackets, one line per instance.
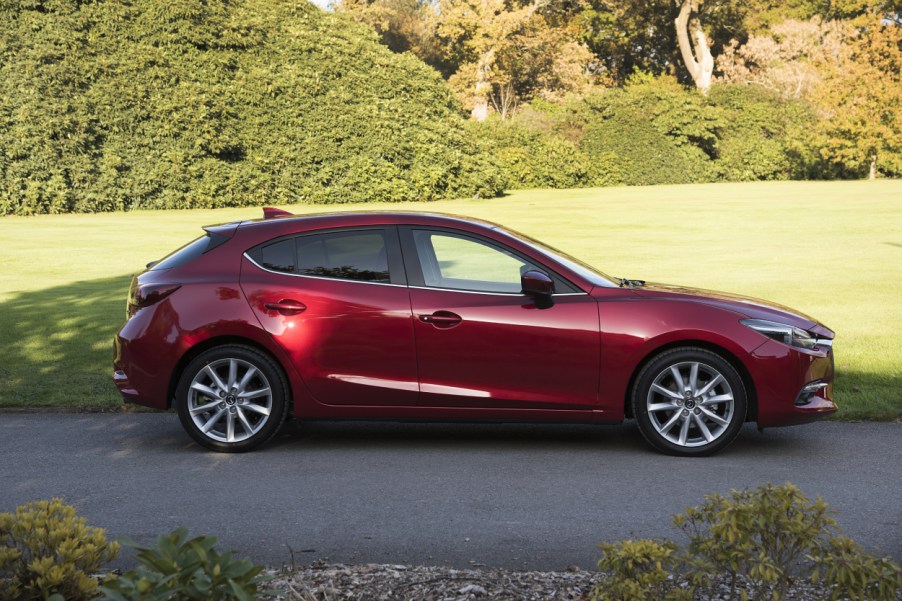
[699, 63]
[872, 171]
[483, 86]
[505, 101]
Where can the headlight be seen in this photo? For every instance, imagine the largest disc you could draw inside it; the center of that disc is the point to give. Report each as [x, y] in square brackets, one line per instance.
[782, 333]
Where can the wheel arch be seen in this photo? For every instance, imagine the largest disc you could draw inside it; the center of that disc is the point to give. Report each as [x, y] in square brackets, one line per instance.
[214, 342]
[729, 357]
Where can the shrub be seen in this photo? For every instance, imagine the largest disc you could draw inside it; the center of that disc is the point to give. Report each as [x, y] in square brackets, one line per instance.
[762, 535]
[180, 569]
[654, 130]
[762, 136]
[46, 550]
[112, 105]
[638, 570]
[760, 541]
[853, 574]
[539, 159]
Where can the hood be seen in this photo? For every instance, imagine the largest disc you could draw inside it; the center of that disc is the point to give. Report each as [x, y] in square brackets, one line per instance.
[746, 305]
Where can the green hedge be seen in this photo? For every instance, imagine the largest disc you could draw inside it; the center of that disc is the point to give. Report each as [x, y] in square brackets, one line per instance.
[657, 132]
[763, 137]
[113, 105]
[534, 158]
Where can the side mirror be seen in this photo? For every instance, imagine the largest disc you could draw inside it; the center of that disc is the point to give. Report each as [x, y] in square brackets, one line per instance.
[536, 284]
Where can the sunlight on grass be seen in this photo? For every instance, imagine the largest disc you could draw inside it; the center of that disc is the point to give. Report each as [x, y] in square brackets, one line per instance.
[829, 249]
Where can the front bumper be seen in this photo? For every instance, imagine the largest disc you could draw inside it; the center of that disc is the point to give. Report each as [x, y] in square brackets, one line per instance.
[781, 373]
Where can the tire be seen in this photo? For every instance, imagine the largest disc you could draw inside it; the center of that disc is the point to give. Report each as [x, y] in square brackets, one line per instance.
[697, 416]
[232, 399]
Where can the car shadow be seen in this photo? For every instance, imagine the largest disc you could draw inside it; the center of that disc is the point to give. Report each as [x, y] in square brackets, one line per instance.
[124, 436]
[479, 436]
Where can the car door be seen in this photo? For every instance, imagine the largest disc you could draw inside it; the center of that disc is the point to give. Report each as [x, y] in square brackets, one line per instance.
[336, 301]
[481, 342]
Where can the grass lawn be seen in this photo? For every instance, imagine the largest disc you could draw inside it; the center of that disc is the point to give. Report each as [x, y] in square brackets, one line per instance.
[829, 249]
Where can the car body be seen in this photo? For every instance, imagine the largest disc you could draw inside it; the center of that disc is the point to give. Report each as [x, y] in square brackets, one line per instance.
[394, 315]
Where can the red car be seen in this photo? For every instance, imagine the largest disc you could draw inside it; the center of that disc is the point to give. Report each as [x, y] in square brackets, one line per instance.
[422, 316]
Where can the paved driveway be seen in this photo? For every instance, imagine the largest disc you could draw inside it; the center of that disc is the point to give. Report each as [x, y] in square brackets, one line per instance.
[512, 495]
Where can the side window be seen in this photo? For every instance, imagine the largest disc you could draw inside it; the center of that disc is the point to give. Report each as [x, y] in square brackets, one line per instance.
[277, 256]
[462, 263]
[357, 256]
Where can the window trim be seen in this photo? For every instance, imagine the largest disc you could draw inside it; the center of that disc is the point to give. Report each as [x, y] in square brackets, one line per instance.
[396, 272]
[415, 274]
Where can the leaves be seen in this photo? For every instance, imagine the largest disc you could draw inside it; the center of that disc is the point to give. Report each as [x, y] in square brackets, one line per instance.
[46, 550]
[761, 535]
[759, 542]
[635, 570]
[185, 569]
[860, 101]
[152, 104]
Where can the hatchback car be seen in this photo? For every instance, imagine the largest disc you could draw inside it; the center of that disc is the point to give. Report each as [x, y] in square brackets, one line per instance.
[431, 317]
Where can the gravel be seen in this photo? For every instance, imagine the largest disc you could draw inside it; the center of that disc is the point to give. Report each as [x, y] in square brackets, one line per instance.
[385, 582]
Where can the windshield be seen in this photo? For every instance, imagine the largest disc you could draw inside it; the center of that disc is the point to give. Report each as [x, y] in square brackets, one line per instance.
[584, 270]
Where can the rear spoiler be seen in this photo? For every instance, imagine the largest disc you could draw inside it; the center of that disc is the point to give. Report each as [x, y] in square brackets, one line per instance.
[273, 212]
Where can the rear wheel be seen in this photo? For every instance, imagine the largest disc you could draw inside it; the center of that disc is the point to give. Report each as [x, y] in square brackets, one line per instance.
[689, 401]
[232, 398]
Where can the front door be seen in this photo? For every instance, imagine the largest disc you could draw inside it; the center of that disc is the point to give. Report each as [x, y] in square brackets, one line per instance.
[481, 342]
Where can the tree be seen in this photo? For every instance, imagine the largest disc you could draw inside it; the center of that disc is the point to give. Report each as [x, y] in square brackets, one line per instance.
[861, 100]
[508, 50]
[642, 35]
[479, 31]
[790, 58]
[696, 53]
[849, 70]
[402, 25]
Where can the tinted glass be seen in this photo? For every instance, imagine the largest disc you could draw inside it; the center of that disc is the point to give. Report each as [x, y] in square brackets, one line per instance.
[278, 256]
[457, 262]
[344, 255]
[189, 252]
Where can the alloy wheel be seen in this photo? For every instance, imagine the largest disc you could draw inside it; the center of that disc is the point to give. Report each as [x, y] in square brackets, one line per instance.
[229, 400]
[690, 404]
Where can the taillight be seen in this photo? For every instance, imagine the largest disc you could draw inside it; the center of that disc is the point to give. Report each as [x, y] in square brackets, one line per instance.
[144, 295]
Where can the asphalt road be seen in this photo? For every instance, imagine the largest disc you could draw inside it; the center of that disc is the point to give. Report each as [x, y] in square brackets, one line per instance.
[511, 495]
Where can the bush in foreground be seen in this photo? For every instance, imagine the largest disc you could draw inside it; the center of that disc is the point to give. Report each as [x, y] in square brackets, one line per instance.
[757, 542]
[46, 550]
[177, 568]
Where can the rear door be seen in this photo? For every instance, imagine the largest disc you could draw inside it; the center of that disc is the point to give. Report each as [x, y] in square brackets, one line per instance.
[337, 302]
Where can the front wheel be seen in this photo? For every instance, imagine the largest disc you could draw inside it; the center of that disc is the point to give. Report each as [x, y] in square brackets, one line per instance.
[689, 401]
[231, 399]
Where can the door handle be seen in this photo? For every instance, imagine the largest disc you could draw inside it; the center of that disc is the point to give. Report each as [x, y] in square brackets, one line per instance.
[287, 307]
[442, 319]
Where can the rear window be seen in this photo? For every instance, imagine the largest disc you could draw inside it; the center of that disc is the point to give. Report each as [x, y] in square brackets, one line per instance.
[344, 255]
[278, 256]
[189, 252]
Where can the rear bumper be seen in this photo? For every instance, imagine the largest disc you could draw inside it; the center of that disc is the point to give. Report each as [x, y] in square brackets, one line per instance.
[141, 369]
[781, 373]
[129, 393]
